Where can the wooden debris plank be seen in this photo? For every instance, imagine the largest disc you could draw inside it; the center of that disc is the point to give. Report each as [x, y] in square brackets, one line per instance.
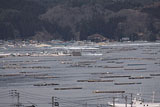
[95, 80]
[71, 88]
[140, 77]
[97, 91]
[130, 83]
[116, 76]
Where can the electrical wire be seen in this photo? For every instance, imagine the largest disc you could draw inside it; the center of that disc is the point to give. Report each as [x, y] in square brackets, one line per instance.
[4, 91]
[33, 94]
[4, 96]
[34, 98]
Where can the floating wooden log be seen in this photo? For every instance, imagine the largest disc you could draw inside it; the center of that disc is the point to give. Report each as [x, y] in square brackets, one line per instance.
[66, 62]
[35, 75]
[97, 91]
[99, 66]
[87, 62]
[89, 66]
[157, 63]
[107, 59]
[113, 67]
[129, 83]
[102, 73]
[119, 62]
[136, 64]
[111, 62]
[137, 58]
[135, 69]
[154, 74]
[116, 76]
[27, 72]
[71, 88]
[3, 56]
[77, 65]
[45, 77]
[150, 53]
[18, 67]
[95, 80]
[140, 77]
[45, 84]
[76, 54]
[10, 75]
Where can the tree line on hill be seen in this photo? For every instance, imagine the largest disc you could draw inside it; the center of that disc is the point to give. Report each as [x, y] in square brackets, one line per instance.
[78, 19]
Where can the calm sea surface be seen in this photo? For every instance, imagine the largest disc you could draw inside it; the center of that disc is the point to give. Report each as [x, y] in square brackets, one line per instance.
[22, 74]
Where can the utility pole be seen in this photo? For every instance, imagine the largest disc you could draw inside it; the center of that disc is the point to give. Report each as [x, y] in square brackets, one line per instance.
[113, 101]
[125, 101]
[16, 93]
[131, 100]
[18, 103]
[153, 97]
[86, 104]
[52, 101]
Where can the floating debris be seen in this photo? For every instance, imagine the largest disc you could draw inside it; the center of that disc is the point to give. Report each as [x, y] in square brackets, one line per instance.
[127, 49]
[116, 76]
[137, 58]
[154, 74]
[113, 67]
[136, 64]
[2, 56]
[72, 88]
[101, 73]
[95, 80]
[147, 50]
[135, 69]
[35, 75]
[77, 65]
[119, 62]
[97, 91]
[82, 64]
[129, 83]
[107, 59]
[99, 66]
[76, 54]
[140, 77]
[157, 63]
[45, 84]
[111, 62]
[63, 62]
[26, 72]
[18, 67]
[44, 77]
[86, 62]
[89, 66]
[150, 53]
[10, 75]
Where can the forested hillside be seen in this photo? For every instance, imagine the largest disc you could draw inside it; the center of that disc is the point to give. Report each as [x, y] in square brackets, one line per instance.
[78, 19]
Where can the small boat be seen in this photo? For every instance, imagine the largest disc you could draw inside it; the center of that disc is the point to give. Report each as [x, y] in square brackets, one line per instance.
[136, 103]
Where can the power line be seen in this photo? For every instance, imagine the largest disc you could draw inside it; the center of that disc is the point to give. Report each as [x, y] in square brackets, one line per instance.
[34, 94]
[31, 96]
